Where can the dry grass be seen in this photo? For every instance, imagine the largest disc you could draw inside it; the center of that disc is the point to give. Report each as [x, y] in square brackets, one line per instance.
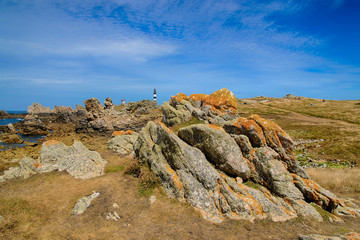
[297, 117]
[348, 111]
[345, 181]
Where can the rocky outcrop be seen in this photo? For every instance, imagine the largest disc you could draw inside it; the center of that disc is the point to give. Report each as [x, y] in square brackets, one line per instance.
[172, 116]
[245, 170]
[83, 203]
[108, 103]
[215, 108]
[32, 125]
[264, 133]
[141, 107]
[77, 160]
[3, 113]
[37, 108]
[122, 142]
[101, 120]
[226, 155]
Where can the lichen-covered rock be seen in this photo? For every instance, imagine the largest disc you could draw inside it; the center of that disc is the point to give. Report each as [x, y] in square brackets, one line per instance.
[77, 160]
[315, 193]
[273, 172]
[186, 173]
[216, 108]
[174, 116]
[218, 147]
[27, 167]
[123, 143]
[37, 108]
[83, 203]
[263, 132]
[223, 100]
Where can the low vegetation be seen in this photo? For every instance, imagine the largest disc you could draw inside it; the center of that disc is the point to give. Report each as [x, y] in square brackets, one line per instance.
[336, 122]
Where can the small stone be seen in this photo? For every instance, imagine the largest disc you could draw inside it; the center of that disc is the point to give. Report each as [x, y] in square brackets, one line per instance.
[83, 203]
[116, 215]
[152, 199]
[115, 205]
[239, 180]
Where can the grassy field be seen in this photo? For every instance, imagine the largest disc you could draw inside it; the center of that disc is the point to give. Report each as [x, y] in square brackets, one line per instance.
[336, 122]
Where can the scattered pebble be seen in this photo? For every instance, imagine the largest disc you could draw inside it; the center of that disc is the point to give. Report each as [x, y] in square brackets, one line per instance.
[113, 216]
[115, 205]
[152, 199]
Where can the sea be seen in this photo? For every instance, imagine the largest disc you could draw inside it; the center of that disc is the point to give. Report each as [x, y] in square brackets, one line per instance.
[27, 138]
[12, 120]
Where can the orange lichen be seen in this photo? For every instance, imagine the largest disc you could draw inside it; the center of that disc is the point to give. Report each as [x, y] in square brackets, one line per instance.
[179, 97]
[222, 99]
[198, 97]
[215, 127]
[120, 133]
[36, 165]
[353, 236]
[175, 178]
[165, 127]
[311, 184]
[51, 142]
[250, 125]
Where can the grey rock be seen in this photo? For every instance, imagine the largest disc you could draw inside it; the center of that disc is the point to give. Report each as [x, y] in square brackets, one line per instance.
[108, 103]
[83, 203]
[77, 160]
[218, 147]
[272, 170]
[37, 108]
[173, 116]
[123, 144]
[27, 167]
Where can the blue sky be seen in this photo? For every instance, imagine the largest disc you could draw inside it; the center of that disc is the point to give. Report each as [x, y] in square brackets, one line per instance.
[61, 52]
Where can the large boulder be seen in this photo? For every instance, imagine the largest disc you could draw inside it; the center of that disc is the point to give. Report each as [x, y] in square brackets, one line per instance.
[77, 160]
[37, 108]
[218, 147]
[265, 133]
[173, 116]
[216, 108]
[122, 142]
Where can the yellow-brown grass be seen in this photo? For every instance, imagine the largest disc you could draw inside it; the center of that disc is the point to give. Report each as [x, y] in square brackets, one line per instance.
[345, 181]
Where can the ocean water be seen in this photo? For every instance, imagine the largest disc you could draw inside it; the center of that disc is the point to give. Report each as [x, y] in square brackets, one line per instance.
[16, 112]
[9, 120]
[27, 138]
